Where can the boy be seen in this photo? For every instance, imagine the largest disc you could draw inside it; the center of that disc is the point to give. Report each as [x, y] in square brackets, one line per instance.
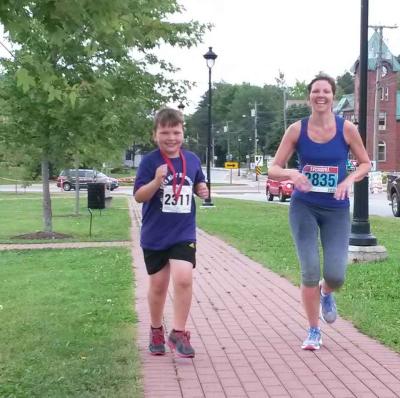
[165, 182]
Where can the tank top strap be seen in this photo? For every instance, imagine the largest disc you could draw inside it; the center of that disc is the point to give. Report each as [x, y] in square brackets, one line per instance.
[304, 127]
[340, 128]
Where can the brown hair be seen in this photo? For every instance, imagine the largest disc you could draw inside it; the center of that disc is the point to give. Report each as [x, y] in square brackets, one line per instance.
[322, 76]
[167, 117]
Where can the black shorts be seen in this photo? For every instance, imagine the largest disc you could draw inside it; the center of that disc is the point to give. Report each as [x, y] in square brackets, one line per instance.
[156, 260]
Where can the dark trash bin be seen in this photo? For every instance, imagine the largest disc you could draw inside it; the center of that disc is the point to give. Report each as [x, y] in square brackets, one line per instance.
[96, 195]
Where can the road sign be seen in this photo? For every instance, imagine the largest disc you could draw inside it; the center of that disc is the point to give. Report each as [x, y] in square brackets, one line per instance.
[231, 165]
[259, 160]
[258, 170]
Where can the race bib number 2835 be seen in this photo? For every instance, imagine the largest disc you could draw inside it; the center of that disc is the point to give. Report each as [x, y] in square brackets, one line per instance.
[322, 178]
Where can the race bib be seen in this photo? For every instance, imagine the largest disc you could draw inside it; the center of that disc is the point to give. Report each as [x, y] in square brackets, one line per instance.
[322, 178]
[182, 205]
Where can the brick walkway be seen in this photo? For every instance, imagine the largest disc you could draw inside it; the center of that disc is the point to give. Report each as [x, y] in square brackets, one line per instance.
[247, 325]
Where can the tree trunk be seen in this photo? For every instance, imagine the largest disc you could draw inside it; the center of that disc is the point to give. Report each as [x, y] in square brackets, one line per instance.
[47, 213]
[77, 189]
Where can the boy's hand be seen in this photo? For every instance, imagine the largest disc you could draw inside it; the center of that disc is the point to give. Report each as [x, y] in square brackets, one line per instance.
[161, 173]
[201, 190]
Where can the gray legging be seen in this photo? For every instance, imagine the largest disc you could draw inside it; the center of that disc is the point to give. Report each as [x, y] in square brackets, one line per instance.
[334, 227]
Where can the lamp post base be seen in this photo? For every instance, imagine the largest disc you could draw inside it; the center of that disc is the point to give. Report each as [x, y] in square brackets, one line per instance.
[365, 254]
[363, 240]
[360, 234]
[207, 203]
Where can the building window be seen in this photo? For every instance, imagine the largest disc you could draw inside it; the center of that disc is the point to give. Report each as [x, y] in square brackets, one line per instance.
[384, 93]
[382, 151]
[382, 121]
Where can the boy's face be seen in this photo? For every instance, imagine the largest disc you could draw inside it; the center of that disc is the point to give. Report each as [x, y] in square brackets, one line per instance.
[169, 139]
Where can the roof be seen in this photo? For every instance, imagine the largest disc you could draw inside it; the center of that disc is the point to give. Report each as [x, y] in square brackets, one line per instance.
[346, 103]
[373, 52]
[296, 102]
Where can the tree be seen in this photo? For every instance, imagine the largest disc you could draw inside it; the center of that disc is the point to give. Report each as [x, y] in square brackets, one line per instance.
[79, 76]
[299, 90]
[345, 84]
[232, 106]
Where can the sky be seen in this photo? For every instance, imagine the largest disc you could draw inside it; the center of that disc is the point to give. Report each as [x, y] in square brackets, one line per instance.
[255, 39]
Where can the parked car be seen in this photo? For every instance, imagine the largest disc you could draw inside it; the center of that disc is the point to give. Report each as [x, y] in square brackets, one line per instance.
[393, 193]
[67, 179]
[282, 189]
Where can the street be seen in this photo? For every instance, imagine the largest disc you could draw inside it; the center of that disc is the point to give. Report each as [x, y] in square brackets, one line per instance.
[247, 190]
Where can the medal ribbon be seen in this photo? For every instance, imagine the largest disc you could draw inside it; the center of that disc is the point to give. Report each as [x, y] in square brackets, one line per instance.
[176, 191]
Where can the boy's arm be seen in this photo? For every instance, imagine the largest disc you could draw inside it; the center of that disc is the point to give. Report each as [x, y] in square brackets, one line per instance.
[201, 190]
[146, 192]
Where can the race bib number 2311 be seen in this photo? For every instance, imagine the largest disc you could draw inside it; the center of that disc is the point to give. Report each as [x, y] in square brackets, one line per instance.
[182, 204]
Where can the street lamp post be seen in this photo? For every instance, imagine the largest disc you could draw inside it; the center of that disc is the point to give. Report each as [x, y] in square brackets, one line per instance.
[210, 57]
[360, 227]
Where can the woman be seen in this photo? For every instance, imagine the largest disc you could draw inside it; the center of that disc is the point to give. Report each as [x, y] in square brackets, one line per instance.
[320, 200]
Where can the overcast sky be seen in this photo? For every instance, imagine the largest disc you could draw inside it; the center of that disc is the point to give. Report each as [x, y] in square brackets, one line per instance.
[254, 39]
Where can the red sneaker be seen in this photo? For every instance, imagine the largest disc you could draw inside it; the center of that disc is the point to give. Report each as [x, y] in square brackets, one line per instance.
[180, 342]
[157, 341]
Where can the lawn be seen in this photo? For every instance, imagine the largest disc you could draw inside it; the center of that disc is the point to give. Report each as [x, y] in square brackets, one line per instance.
[10, 175]
[22, 213]
[370, 297]
[67, 324]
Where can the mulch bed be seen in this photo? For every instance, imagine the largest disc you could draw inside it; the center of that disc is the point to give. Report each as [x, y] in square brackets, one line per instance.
[42, 235]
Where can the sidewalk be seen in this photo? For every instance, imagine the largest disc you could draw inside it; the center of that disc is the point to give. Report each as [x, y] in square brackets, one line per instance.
[247, 325]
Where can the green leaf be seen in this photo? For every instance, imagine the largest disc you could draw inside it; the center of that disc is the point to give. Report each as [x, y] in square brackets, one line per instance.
[24, 80]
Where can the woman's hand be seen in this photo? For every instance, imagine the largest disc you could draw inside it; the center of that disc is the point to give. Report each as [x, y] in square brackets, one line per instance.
[343, 189]
[300, 181]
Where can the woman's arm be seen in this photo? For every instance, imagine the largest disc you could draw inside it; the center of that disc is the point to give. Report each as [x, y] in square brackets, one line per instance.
[286, 149]
[353, 139]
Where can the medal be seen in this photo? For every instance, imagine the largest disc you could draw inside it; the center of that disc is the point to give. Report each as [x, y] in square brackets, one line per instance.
[176, 190]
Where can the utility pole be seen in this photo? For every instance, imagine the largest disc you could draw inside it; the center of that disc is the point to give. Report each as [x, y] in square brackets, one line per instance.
[379, 30]
[284, 109]
[254, 114]
[226, 130]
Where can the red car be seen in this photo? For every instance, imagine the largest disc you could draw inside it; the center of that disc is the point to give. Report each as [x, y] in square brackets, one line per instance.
[282, 189]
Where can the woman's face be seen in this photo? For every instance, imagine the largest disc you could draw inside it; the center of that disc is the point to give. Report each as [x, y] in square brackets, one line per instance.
[321, 96]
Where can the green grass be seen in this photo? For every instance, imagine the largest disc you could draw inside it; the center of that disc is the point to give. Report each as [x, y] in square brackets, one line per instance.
[369, 298]
[22, 213]
[11, 175]
[67, 325]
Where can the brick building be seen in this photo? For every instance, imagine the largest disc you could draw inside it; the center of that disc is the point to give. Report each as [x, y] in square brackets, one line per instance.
[387, 137]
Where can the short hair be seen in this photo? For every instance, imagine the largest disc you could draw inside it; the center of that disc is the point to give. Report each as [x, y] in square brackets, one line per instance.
[322, 76]
[168, 117]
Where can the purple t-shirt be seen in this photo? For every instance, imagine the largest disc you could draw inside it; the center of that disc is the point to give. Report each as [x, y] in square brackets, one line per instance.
[162, 229]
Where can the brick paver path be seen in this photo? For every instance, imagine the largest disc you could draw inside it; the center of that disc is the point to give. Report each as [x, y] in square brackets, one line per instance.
[247, 325]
